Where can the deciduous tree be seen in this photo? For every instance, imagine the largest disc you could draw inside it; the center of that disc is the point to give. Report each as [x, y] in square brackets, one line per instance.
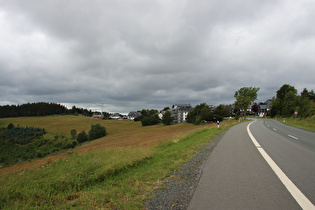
[167, 118]
[244, 97]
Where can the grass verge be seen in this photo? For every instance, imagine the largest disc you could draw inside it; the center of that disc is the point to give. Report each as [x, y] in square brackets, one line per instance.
[109, 178]
[306, 123]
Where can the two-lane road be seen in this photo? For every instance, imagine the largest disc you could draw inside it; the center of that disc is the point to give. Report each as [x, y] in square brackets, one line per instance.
[237, 176]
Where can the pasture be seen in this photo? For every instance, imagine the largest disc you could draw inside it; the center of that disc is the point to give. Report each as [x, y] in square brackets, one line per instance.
[119, 170]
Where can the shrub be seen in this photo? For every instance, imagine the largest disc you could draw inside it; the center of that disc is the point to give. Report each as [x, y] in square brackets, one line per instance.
[10, 126]
[82, 137]
[151, 120]
[97, 131]
[73, 133]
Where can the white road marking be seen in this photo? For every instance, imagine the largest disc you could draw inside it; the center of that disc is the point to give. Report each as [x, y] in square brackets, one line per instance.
[274, 129]
[293, 137]
[295, 192]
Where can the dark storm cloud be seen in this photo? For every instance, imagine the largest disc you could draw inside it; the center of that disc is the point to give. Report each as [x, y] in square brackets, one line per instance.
[129, 55]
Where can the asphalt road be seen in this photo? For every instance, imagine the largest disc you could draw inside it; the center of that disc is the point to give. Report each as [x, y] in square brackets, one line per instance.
[237, 175]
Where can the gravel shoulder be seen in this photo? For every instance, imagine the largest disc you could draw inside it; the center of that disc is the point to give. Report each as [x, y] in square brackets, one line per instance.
[181, 184]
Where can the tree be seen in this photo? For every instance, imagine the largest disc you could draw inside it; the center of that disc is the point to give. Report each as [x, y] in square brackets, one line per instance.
[73, 133]
[305, 107]
[10, 126]
[166, 108]
[305, 93]
[286, 101]
[149, 117]
[289, 104]
[82, 137]
[199, 114]
[244, 97]
[151, 120]
[167, 118]
[255, 108]
[221, 111]
[97, 131]
[312, 95]
[106, 115]
[284, 90]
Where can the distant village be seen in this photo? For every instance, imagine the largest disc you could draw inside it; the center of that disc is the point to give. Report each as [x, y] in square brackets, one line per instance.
[179, 112]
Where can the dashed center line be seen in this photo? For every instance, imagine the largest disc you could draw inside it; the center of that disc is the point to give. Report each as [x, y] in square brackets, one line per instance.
[302, 200]
[274, 129]
[293, 137]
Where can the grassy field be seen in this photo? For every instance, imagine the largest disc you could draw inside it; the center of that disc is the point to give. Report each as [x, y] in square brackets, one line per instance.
[119, 170]
[307, 123]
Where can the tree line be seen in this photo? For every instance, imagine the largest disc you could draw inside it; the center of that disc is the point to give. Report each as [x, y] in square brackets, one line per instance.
[202, 113]
[40, 109]
[287, 102]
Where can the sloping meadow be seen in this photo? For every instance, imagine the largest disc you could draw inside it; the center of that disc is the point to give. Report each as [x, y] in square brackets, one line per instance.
[119, 170]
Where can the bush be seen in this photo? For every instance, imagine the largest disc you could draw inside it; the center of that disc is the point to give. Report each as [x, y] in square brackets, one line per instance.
[10, 126]
[151, 120]
[82, 137]
[73, 133]
[97, 131]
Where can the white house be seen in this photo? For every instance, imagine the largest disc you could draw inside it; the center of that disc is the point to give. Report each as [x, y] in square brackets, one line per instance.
[180, 112]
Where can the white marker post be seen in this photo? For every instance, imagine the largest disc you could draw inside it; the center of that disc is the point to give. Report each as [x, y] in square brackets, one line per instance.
[218, 123]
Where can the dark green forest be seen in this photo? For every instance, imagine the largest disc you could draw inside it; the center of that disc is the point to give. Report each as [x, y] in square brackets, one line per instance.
[40, 109]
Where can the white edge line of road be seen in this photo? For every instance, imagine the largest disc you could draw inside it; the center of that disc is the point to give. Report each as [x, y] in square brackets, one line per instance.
[295, 192]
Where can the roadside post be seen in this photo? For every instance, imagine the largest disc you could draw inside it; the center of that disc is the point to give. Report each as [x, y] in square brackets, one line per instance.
[218, 123]
[296, 113]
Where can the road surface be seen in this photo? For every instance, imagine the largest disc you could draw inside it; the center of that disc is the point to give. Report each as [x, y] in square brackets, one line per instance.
[262, 164]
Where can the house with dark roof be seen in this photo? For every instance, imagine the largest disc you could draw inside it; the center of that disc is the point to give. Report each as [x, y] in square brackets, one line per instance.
[263, 108]
[133, 115]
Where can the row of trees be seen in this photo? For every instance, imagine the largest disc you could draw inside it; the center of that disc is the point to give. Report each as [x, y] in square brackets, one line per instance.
[148, 117]
[197, 115]
[96, 131]
[287, 101]
[202, 113]
[39, 109]
[151, 117]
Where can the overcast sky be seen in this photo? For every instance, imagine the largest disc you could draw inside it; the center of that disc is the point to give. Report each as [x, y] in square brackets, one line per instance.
[139, 54]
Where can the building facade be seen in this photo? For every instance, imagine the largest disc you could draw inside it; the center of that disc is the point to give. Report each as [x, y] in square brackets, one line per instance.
[180, 111]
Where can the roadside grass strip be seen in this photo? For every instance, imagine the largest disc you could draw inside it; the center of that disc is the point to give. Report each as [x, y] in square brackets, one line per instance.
[114, 178]
[120, 178]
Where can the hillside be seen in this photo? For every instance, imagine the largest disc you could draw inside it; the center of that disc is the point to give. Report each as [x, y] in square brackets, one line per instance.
[119, 170]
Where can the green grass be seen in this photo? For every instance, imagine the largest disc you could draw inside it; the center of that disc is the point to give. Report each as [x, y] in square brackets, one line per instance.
[19, 144]
[307, 123]
[109, 178]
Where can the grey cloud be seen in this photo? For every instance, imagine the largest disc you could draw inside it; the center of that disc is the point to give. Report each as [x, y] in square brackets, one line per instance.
[152, 54]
